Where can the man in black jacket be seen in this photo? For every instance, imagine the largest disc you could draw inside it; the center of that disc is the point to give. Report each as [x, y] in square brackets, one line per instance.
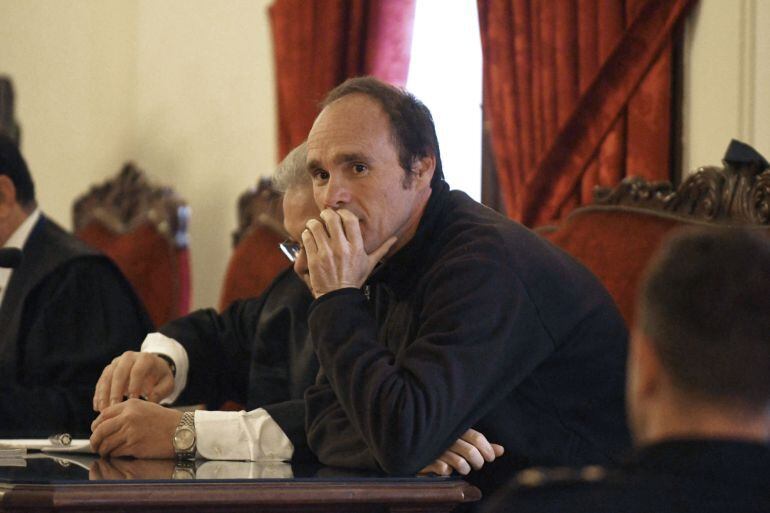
[434, 313]
[698, 391]
[64, 312]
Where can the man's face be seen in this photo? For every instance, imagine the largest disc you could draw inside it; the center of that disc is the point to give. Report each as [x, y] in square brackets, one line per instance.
[298, 207]
[354, 165]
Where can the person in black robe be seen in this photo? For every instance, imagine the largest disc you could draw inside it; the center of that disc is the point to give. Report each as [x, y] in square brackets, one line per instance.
[65, 312]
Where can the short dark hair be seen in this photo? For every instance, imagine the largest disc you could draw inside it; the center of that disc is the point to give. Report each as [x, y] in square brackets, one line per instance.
[413, 131]
[13, 166]
[706, 307]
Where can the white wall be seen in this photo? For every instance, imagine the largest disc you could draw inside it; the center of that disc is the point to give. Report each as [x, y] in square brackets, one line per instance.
[726, 79]
[72, 67]
[184, 88]
[205, 115]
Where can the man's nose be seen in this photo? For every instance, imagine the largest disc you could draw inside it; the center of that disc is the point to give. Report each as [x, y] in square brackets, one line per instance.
[336, 193]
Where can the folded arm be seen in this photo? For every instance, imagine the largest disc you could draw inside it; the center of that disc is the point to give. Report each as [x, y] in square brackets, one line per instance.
[408, 406]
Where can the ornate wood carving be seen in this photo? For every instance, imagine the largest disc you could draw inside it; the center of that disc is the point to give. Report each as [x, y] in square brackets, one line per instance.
[735, 194]
[260, 205]
[128, 200]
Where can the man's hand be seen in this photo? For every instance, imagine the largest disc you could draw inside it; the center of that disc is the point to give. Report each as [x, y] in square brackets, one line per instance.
[135, 428]
[471, 450]
[335, 252]
[134, 375]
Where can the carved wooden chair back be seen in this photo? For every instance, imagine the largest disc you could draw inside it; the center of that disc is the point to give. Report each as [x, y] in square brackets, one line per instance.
[256, 259]
[143, 228]
[616, 236]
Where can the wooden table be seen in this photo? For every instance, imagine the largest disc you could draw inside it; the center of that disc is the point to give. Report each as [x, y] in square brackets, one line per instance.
[338, 491]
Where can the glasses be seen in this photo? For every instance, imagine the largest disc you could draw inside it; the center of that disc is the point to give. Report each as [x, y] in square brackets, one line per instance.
[291, 249]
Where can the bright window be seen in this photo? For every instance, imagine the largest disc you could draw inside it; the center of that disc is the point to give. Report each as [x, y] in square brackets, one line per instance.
[445, 73]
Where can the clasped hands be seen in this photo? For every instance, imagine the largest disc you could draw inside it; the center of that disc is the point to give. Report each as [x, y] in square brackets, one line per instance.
[336, 254]
[134, 427]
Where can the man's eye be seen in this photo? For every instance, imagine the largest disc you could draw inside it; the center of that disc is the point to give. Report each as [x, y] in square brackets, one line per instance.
[320, 174]
[359, 168]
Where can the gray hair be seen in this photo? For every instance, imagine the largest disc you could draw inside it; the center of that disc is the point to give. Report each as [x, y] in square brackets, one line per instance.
[292, 171]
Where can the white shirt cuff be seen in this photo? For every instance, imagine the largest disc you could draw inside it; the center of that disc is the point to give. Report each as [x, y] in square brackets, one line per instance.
[241, 435]
[160, 343]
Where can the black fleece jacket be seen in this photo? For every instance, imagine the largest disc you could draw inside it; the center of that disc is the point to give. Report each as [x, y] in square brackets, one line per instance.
[476, 322]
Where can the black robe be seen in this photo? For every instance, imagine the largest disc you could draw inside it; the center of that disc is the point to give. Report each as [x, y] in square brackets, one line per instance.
[255, 353]
[476, 322]
[67, 312]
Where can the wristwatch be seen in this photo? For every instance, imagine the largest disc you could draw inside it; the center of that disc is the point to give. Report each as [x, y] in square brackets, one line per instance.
[184, 437]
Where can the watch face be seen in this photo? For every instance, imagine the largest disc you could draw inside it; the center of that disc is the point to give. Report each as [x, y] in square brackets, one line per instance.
[184, 439]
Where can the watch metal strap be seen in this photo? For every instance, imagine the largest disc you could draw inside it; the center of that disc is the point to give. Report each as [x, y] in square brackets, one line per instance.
[187, 421]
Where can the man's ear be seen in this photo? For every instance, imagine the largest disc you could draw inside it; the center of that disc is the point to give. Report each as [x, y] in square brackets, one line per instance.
[423, 169]
[648, 367]
[7, 196]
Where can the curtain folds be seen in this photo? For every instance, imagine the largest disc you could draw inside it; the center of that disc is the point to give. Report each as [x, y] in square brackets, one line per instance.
[320, 43]
[578, 93]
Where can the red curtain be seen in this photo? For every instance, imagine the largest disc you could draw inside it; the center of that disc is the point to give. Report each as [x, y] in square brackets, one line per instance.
[320, 43]
[577, 93]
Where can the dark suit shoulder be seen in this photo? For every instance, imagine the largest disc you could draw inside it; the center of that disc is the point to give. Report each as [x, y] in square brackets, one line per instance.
[555, 490]
[57, 257]
[49, 247]
[630, 489]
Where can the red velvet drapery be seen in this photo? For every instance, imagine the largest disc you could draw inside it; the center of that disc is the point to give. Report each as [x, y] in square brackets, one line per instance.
[578, 94]
[320, 43]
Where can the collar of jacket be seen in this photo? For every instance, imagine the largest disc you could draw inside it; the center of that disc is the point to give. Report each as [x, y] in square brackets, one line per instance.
[414, 256]
[705, 457]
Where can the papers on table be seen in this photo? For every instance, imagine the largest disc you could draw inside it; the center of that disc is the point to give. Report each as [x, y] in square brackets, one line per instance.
[11, 446]
[15, 451]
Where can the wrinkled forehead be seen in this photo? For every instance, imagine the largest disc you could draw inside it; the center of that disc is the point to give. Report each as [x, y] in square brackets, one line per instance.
[352, 124]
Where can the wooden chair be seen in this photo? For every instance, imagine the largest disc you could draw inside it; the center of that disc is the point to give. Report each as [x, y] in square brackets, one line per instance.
[256, 259]
[143, 228]
[616, 235]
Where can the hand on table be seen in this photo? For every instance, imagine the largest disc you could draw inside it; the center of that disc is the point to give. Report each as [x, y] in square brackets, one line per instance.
[335, 252]
[135, 428]
[134, 375]
[470, 451]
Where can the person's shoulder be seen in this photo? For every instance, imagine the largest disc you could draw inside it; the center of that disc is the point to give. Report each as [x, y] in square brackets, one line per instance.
[53, 252]
[562, 489]
[472, 226]
[287, 286]
[67, 244]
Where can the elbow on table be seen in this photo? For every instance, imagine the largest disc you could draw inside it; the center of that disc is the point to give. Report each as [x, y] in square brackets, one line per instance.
[396, 460]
